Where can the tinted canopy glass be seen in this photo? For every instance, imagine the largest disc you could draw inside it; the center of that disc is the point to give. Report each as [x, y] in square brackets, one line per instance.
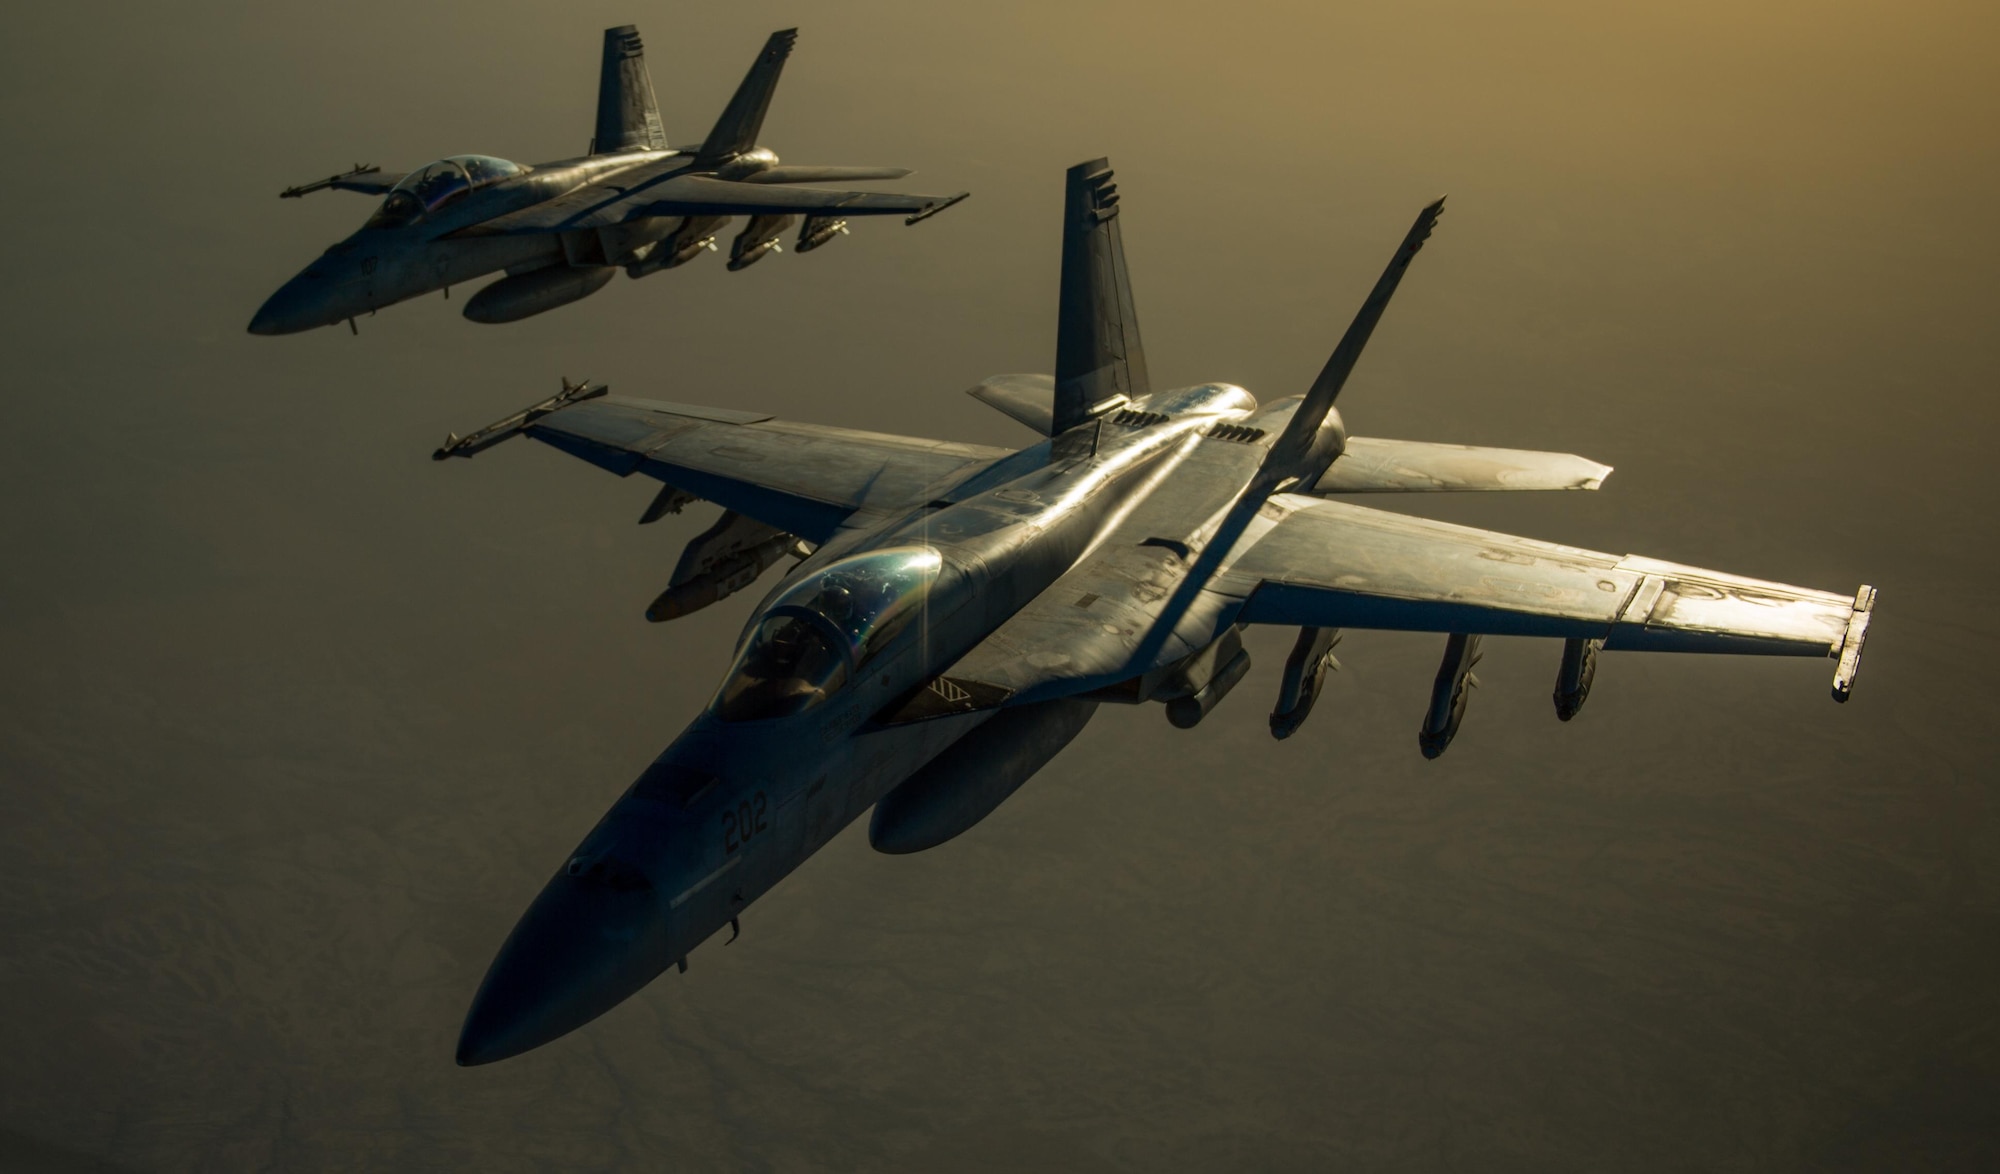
[485, 169]
[789, 665]
[823, 628]
[435, 184]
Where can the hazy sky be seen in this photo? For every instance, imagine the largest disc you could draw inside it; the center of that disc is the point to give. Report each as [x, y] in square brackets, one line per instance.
[294, 722]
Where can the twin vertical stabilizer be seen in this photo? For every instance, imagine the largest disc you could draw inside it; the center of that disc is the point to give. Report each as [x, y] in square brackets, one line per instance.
[628, 116]
[1098, 354]
[743, 119]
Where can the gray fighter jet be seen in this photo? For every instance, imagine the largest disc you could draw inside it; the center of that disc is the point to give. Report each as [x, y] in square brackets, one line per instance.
[959, 612]
[561, 230]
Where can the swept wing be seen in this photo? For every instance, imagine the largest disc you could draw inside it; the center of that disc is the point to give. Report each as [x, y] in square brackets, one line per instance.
[617, 200]
[1333, 564]
[1309, 562]
[803, 479]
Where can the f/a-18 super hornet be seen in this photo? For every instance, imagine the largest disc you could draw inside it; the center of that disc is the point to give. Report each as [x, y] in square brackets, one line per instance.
[561, 230]
[959, 612]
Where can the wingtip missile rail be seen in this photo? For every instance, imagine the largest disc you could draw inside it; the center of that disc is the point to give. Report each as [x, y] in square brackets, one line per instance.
[934, 209]
[359, 169]
[472, 444]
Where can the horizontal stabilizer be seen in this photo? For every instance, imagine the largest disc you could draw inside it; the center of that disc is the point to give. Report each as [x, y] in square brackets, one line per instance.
[1413, 466]
[1030, 399]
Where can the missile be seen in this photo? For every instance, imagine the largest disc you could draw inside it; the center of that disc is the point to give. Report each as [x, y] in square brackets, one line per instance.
[687, 242]
[508, 427]
[1579, 666]
[717, 563]
[818, 230]
[758, 237]
[1305, 672]
[523, 295]
[724, 579]
[1455, 683]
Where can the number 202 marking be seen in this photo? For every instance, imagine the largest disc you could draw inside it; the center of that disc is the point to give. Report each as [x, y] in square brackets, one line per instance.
[743, 821]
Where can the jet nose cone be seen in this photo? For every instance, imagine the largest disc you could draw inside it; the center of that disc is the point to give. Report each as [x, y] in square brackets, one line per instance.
[288, 311]
[591, 939]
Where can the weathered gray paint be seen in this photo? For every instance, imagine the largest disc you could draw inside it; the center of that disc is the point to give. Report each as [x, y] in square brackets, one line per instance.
[1115, 561]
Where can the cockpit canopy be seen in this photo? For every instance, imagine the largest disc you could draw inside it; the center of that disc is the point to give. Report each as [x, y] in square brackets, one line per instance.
[431, 186]
[823, 629]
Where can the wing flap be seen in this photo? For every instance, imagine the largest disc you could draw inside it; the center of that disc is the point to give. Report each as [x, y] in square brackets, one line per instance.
[1370, 465]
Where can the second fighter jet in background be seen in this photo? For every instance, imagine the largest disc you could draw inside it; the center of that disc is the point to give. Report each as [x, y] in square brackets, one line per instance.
[562, 230]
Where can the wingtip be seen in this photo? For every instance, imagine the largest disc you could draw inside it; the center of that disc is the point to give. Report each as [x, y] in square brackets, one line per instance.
[778, 46]
[933, 209]
[1849, 665]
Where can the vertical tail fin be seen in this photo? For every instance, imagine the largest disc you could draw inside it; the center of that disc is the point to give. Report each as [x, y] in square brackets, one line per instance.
[736, 131]
[1298, 452]
[627, 114]
[1098, 353]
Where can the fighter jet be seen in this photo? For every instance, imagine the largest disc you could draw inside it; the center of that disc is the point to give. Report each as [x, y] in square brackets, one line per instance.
[561, 230]
[959, 612]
